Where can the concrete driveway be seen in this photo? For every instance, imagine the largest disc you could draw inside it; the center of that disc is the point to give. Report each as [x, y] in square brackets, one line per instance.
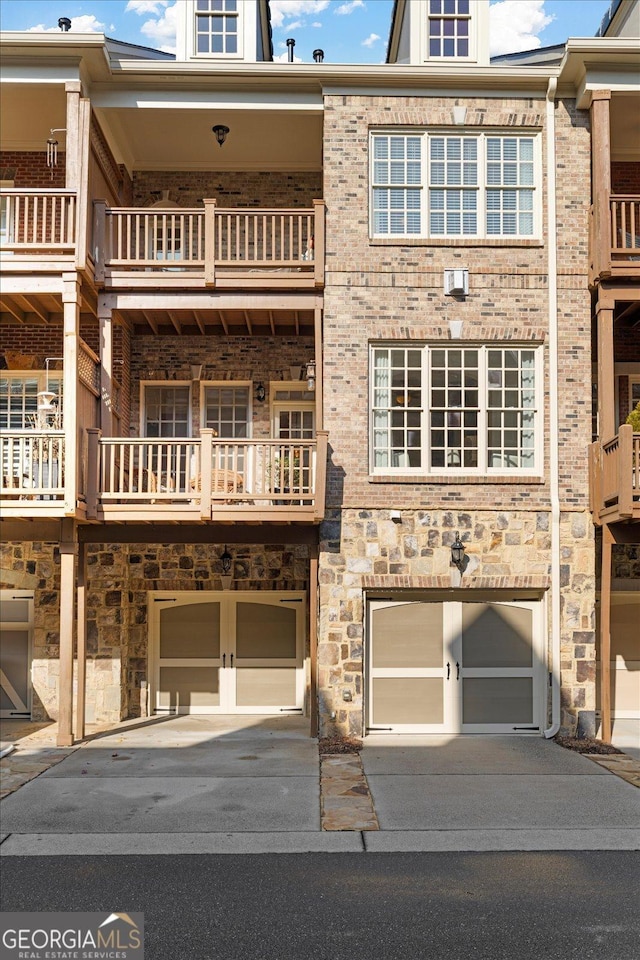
[202, 784]
[495, 793]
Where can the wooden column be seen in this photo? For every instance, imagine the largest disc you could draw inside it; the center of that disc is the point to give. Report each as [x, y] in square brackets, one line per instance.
[209, 242]
[317, 332]
[84, 210]
[81, 652]
[71, 324]
[605, 635]
[68, 548]
[601, 180]
[106, 367]
[313, 638]
[72, 148]
[606, 374]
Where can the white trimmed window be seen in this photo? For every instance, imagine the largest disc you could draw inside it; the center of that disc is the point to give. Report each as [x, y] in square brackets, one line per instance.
[167, 411]
[217, 27]
[19, 397]
[227, 410]
[448, 27]
[480, 185]
[467, 409]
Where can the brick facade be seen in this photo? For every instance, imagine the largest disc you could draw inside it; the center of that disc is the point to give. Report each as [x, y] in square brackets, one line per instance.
[231, 189]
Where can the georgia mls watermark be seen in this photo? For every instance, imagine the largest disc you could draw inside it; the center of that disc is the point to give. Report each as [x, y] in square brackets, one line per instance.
[72, 936]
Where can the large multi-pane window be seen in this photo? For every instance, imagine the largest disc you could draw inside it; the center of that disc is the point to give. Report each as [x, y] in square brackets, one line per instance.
[472, 409]
[448, 27]
[217, 27]
[446, 185]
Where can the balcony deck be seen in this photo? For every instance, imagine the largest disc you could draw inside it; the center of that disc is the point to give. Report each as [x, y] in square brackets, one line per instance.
[204, 479]
[209, 247]
[614, 468]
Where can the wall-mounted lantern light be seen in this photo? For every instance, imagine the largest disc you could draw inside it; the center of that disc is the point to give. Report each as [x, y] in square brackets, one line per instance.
[220, 132]
[226, 560]
[457, 553]
[260, 393]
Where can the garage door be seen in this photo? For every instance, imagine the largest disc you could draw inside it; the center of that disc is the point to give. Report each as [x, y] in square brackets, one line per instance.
[455, 667]
[16, 624]
[227, 654]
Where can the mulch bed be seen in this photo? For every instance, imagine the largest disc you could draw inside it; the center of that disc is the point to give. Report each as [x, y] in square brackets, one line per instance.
[586, 745]
[329, 746]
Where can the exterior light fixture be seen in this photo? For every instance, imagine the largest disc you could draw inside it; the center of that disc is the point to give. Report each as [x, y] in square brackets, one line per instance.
[220, 132]
[65, 24]
[196, 371]
[457, 553]
[310, 374]
[226, 560]
[260, 393]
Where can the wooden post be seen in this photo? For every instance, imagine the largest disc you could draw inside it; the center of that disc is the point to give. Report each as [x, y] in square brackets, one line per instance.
[106, 368]
[605, 635]
[206, 458]
[625, 470]
[313, 639]
[317, 333]
[100, 254]
[81, 657]
[93, 471]
[71, 323]
[68, 546]
[320, 492]
[210, 242]
[83, 210]
[606, 375]
[72, 147]
[601, 179]
[319, 242]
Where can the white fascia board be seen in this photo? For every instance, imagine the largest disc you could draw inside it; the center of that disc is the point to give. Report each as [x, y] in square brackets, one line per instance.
[205, 100]
[41, 73]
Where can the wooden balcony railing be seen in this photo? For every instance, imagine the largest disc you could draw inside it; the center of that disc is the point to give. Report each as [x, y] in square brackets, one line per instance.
[39, 221]
[615, 476]
[210, 242]
[205, 475]
[614, 242]
[32, 467]
[625, 226]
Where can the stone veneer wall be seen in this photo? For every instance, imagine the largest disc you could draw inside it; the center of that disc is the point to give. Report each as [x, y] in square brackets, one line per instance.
[363, 549]
[120, 578]
[381, 290]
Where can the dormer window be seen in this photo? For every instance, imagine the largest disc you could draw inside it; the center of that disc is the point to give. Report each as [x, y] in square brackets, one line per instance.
[217, 27]
[448, 28]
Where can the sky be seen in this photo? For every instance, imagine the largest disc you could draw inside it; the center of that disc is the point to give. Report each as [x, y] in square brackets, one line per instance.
[349, 31]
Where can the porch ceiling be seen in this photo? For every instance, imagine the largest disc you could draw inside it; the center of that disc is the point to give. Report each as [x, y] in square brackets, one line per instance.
[42, 308]
[166, 138]
[210, 322]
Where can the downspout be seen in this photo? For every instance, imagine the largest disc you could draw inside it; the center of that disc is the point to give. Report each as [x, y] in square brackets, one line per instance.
[553, 409]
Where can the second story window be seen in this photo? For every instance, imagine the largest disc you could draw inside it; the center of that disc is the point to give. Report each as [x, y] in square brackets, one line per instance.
[442, 185]
[448, 28]
[217, 27]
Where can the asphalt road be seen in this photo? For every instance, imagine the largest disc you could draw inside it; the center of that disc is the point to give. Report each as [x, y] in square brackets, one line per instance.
[429, 906]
